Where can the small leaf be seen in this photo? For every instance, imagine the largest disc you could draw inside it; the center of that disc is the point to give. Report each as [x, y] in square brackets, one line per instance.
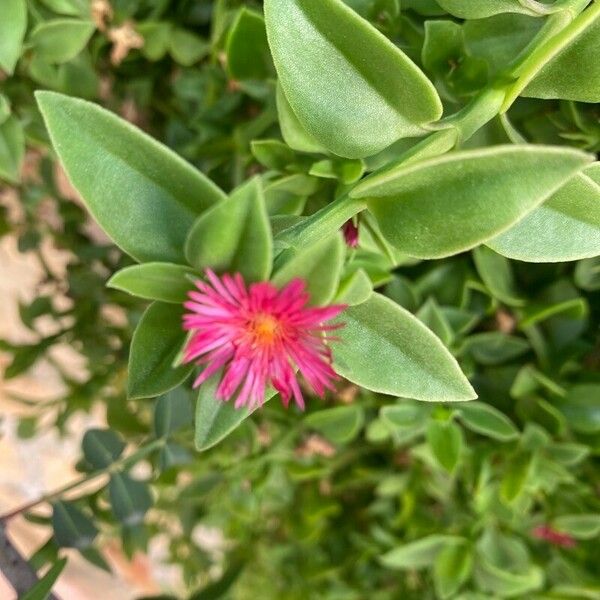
[419, 554]
[72, 528]
[60, 40]
[247, 49]
[496, 273]
[516, 476]
[154, 281]
[172, 412]
[448, 204]
[12, 31]
[186, 47]
[582, 527]
[505, 583]
[12, 149]
[156, 343]
[234, 236]
[446, 441]
[574, 72]
[411, 362]
[41, 590]
[339, 425]
[494, 347]
[479, 9]
[130, 499]
[318, 265]
[142, 194]
[452, 568]
[354, 288]
[102, 447]
[487, 420]
[352, 106]
[565, 227]
[216, 419]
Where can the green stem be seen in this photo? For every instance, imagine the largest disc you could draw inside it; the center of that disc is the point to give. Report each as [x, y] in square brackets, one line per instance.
[114, 467]
[569, 29]
[321, 224]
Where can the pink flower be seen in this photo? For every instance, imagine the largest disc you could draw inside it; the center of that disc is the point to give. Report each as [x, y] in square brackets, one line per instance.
[350, 230]
[556, 538]
[259, 335]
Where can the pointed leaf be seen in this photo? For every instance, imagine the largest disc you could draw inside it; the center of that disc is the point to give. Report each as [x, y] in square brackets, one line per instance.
[41, 590]
[487, 420]
[446, 441]
[352, 106]
[142, 194]
[407, 359]
[452, 203]
[419, 554]
[156, 343]
[154, 281]
[340, 425]
[72, 528]
[130, 499]
[12, 31]
[565, 227]
[319, 265]
[234, 236]
[60, 40]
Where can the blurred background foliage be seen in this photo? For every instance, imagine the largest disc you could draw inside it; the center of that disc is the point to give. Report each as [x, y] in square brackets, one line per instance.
[360, 497]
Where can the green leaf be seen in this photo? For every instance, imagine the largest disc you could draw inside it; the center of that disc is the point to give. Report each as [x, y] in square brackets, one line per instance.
[452, 568]
[68, 7]
[41, 590]
[431, 315]
[582, 408]
[443, 45]
[319, 265]
[339, 425]
[294, 134]
[446, 441]
[352, 106]
[130, 499]
[186, 47]
[494, 347]
[143, 195]
[452, 203]
[516, 476]
[234, 236]
[419, 554]
[12, 31]
[411, 361]
[496, 273]
[354, 288]
[505, 583]
[216, 419]
[487, 420]
[587, 274]
[582, 527]
[273, 154]
[154, 281]
[573, 73]
[157, 39]
[247, 49]
[565, 227]
[155, 346]
[479, 9]
[172, 412]
[12, 149]
[60, 40]
[72, 528]
[102, 447]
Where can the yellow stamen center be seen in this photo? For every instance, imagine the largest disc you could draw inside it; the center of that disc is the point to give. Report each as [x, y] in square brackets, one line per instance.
[265, 329]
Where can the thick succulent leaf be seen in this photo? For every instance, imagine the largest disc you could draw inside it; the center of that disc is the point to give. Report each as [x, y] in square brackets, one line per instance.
[320, 265]
[479, 9]
[61, 40]
[452, 203]
[154, 281]
[386, 349]
[142, 194]
[574, 73]
[234, 236]
[12, 31]
[565, 227]
[216, 419]
[352, 106]
[155, 347]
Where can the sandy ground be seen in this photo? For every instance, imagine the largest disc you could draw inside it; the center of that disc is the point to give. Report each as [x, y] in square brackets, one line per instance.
[30, 468]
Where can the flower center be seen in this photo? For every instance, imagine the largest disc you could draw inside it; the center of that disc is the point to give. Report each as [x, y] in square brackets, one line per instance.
[265, 328]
